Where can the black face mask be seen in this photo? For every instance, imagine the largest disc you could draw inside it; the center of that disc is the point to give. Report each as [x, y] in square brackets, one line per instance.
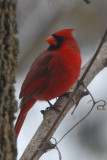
[59, 41]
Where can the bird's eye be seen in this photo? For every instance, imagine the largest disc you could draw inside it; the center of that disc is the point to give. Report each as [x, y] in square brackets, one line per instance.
[59, 39]
[63, 38]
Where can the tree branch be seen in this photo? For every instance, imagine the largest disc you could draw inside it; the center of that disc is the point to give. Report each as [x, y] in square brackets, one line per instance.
[87, 1]
[40, 142]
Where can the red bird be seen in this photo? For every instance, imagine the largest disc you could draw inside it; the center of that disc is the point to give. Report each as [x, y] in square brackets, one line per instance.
[52, 73]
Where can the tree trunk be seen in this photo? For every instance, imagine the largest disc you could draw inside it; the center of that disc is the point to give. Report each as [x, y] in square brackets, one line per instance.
[8, 61]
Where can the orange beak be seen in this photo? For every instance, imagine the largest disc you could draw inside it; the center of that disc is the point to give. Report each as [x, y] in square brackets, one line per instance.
[51, 40]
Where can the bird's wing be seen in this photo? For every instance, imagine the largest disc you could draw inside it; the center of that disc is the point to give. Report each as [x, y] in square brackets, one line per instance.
[37, 77]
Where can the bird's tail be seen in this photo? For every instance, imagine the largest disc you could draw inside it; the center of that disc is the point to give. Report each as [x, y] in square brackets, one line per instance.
[22, 115]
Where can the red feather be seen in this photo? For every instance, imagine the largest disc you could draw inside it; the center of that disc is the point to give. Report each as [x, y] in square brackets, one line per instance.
[22, 115]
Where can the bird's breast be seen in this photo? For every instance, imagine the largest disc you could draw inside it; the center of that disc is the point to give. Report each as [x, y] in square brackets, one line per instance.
[65, 72]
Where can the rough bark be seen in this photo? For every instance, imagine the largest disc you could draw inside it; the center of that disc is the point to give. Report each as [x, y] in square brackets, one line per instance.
[40, 141]
[8, 62]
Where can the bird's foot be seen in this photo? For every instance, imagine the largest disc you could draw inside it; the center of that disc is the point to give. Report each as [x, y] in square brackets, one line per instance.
[80, 82]
[52, 107]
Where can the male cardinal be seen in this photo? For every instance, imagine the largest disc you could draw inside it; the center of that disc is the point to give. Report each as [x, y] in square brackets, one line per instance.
[52, 73]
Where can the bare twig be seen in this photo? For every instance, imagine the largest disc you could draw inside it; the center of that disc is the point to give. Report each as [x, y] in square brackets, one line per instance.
[87, 1]
[59, 153]
[94, 57]
[99, 107]
[52, 119]
[77, 123]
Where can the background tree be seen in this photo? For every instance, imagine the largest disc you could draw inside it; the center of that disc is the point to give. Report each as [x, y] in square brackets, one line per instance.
[8, 62]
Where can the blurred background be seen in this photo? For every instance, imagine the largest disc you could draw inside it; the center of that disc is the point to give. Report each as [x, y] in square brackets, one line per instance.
[38, 19]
